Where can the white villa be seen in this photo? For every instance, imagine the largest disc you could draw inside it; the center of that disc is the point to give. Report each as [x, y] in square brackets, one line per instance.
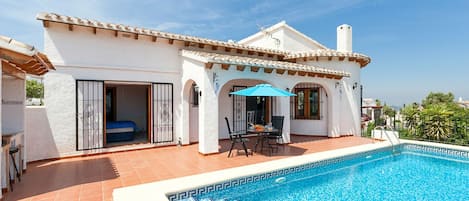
[116, 84]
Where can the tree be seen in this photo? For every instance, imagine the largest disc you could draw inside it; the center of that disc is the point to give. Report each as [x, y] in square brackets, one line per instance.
[438, 98]
[388, 111]
[411, 115]
[439, 118]
[460, 120]
[436, 121]
[34, 89]
[378, 102]
[389, 114]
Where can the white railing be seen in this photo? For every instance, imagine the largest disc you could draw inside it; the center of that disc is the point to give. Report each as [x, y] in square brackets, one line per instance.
[384, 130]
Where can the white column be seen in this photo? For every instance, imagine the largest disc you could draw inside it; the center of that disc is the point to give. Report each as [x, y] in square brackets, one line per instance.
[2, 164]
[284, 110]
[23, 141]
[334, 112]
[185, 100]
[208, 116]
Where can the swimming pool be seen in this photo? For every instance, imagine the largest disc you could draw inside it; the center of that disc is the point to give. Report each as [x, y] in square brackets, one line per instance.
[413, 172]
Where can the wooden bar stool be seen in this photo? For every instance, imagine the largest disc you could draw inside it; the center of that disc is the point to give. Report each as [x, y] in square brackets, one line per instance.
[13, 151]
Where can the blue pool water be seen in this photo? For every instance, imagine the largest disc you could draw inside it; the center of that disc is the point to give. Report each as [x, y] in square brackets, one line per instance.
[409, 174]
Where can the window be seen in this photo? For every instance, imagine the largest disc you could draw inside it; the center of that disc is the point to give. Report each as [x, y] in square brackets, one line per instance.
[307, 103]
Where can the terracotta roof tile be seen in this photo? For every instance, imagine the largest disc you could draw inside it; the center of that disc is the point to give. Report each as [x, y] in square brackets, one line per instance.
[249, 61]
[85, 22]
[364, 60]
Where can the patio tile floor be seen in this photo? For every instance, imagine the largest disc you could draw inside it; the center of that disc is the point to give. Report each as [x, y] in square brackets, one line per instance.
[94, 177]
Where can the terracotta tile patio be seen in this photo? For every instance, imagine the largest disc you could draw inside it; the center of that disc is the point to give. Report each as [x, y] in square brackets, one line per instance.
[94, 177]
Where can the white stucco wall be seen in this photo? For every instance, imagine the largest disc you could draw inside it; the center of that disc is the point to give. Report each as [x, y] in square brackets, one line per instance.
[39, 134]
[13, 93]
[273, 40]
[294, 42]
[59, 101]
[81, 47]
[288, 39]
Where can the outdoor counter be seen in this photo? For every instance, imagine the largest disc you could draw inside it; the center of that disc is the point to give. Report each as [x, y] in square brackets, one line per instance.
[11, 139]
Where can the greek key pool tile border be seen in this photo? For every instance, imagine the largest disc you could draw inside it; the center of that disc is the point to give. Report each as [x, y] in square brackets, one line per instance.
[264, 176]
[438, 150]
[267, 175]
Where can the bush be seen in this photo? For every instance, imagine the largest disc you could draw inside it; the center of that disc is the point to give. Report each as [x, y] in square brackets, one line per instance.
[369, 129]
[439, 119]
[34, 89]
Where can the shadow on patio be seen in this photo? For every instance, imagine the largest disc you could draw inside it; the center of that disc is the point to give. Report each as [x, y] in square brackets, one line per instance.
[292, 149]
[54, 176]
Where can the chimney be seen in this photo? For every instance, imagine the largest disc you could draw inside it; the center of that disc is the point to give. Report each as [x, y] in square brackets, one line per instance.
[344, 38]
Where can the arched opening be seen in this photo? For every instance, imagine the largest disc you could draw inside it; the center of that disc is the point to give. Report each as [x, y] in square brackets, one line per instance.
[241, 109]
[191, 106]
[309, 109]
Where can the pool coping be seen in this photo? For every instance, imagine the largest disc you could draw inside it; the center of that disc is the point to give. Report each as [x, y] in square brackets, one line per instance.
[435, 144]
[161, 189]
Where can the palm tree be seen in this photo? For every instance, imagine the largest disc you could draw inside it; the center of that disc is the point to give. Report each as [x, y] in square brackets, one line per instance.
[411, 118]
[436, 120]
[461, 125]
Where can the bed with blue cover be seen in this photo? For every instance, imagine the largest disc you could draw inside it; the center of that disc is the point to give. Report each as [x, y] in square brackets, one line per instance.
[118, 131]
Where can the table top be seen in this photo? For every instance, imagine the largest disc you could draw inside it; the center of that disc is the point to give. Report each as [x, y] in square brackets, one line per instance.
[11, 134]
[262, 131]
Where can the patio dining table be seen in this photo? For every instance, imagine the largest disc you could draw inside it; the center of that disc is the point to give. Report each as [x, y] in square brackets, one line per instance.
[261, 134]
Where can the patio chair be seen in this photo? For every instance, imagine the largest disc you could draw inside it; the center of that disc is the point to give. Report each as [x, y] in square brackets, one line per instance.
[236, 137]
[250, 116]
[277, 123]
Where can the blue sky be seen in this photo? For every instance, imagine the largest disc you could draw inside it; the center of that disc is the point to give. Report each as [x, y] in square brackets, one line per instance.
[416, 46]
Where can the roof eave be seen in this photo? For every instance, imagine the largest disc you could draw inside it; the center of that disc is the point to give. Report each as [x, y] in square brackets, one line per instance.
[24, 57]
[148, 32]
[215, 58]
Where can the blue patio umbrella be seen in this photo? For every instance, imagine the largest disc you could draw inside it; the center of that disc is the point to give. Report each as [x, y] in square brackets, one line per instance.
[262, 90]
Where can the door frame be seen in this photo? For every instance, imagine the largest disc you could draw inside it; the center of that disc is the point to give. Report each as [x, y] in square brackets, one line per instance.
[148, 86]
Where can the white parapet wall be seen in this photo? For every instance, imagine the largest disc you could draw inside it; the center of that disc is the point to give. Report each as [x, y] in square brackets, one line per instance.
[38, 135]
[388, 135]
